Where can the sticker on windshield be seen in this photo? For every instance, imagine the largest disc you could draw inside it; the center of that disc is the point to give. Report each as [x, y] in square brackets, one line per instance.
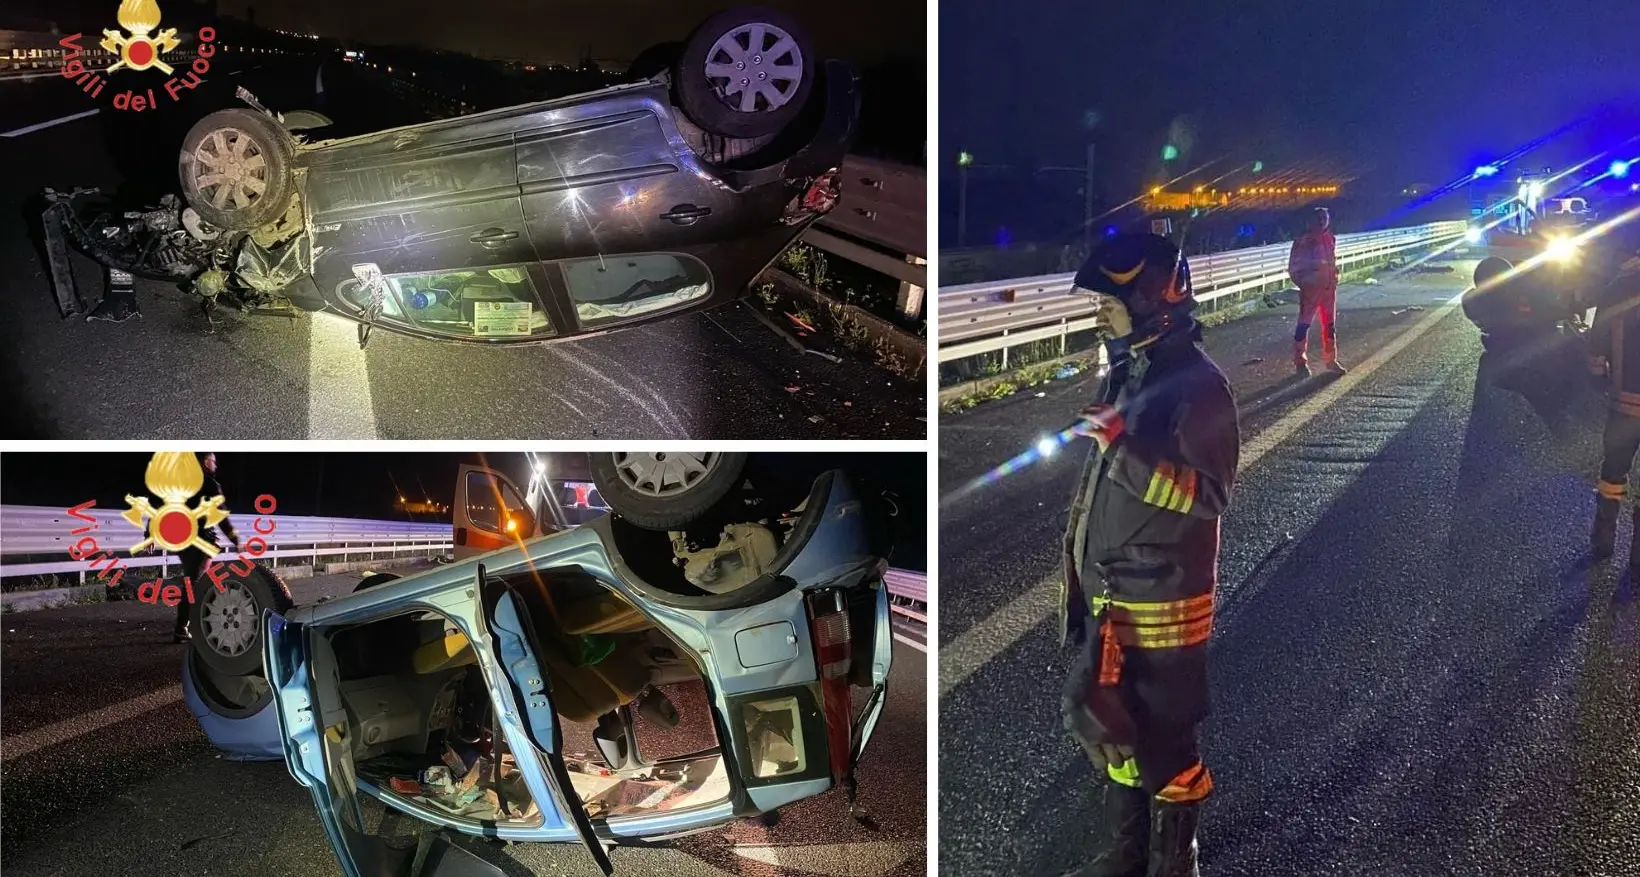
[500, 318]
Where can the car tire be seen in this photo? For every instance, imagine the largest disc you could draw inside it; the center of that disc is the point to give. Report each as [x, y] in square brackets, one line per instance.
[719, 42]
[265, 188]
[226, 623]
[633, 489]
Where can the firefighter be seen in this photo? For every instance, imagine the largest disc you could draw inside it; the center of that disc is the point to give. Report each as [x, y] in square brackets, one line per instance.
[192, 559]
[1313, 265]
[1614, 343]
[1141, 559]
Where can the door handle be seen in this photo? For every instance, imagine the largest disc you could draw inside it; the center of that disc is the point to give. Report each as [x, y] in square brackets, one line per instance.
[687, 214]
[493, 238]
[461, 536]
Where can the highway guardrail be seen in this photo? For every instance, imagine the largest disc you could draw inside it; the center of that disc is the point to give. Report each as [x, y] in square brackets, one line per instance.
[44, 531]
[980, 318]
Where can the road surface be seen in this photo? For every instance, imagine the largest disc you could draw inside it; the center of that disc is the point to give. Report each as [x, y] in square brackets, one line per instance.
[716, 374]
[106, 772]
[1416, 668]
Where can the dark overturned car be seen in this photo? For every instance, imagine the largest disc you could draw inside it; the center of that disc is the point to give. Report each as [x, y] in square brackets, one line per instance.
[527, 224]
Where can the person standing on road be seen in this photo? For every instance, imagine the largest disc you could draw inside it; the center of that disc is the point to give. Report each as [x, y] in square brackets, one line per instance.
[1141, 559]
[192, 559]
[1614, 347]
[1313, 266]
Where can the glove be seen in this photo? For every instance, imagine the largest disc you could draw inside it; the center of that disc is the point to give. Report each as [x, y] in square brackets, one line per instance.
[1095, 716]
[1113, 315]
[1103, 423]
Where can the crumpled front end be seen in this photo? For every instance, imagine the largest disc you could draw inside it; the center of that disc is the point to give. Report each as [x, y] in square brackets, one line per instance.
[170, 242]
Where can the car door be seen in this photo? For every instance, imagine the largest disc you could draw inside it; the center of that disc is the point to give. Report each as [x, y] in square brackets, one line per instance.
[315, 727]
[434, 212]
[489, 512]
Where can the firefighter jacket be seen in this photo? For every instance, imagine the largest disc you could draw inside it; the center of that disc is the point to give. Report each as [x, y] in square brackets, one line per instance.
[1313, 261]
[1615, 336]
[1143, 542]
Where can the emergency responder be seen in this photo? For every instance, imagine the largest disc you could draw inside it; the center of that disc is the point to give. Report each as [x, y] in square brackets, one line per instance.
[192, 559]
[1141, 558]
[1614, 344]
[1313, 265]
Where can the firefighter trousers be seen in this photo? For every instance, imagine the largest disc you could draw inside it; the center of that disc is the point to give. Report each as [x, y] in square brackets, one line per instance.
[1166, 762]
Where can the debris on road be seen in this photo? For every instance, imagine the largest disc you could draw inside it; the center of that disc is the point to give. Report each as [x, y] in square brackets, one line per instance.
[1397, 313]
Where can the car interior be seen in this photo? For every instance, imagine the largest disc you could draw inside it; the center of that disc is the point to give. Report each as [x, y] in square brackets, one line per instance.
[496, 301]
[423, 724]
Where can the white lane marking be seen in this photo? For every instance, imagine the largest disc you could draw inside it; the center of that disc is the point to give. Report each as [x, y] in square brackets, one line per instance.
[919, 646]
[19, 745]
[982, 643]
[339, 404]
[865, 859]
[51, 124]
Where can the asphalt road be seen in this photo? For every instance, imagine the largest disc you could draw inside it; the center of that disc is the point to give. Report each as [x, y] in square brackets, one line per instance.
[719, 374]
[123, 782]
[1416, 668]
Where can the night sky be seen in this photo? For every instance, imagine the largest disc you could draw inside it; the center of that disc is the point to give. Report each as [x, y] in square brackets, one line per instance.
[361, 485]
[552, 31]
[1410, 89]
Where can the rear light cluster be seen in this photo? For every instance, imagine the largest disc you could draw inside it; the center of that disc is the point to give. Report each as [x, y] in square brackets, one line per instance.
[833, 658]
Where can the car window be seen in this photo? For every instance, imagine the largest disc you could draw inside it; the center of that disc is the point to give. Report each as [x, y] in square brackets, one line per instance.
[480, 303]
[774, 731]
[490, 509]
[611, 289]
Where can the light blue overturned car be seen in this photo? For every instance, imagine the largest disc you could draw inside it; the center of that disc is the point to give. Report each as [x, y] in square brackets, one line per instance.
[448, 694]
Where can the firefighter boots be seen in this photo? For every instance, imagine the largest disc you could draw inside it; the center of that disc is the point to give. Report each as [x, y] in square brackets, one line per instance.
[1125, 834]
[1173, 839]
[1603, 541]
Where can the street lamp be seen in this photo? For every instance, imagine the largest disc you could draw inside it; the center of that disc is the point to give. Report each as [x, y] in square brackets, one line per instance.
[965, 159]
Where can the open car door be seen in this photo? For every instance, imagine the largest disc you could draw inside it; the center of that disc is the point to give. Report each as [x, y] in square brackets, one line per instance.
[318, 723]
[489, 512]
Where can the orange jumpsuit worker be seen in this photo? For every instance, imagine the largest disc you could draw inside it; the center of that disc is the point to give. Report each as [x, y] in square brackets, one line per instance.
[1313, 265]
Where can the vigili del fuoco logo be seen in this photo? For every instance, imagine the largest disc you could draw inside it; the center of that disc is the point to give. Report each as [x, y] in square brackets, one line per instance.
[139, 45]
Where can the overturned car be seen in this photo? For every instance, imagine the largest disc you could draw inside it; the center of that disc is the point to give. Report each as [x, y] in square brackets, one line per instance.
[527, 224]
[520, 691]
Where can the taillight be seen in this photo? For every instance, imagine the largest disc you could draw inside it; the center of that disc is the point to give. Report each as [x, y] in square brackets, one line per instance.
[833, 657]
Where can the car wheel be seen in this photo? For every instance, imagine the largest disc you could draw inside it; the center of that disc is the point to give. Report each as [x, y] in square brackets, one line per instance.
[226, 622]
[665, 490]
[745, 73]
[226, 695]
[236, 169]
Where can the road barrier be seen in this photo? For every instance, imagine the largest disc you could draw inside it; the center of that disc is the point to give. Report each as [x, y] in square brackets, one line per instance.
[908, 593]
[43, 531]
[980, 318]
